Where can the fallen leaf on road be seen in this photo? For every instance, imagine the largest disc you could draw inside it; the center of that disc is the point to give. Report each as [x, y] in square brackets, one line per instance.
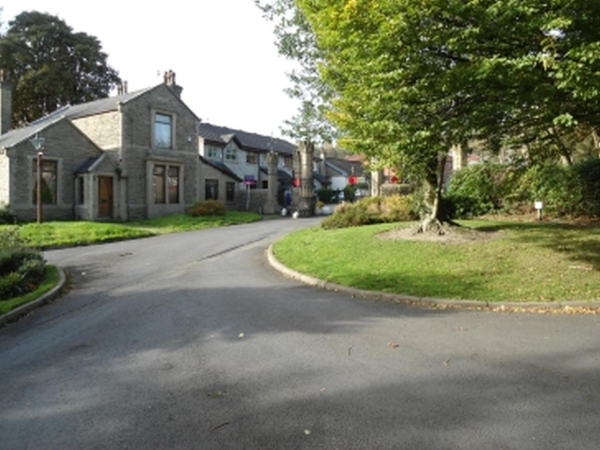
[240, 336]
[392, 344]
[447, 362]
[307, 432]
[219, 426]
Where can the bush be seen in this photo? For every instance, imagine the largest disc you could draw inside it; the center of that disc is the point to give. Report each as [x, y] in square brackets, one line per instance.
[555, 185]
[370, 210]
[349, 193]
[480, 189]
[388, 189]
[588, 173]
[325, 195]
[207, 208]
[7, 216]
[10, 237]
[21, 268]
[397, 208]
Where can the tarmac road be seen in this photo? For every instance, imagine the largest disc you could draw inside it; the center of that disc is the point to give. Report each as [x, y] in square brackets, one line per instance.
[191, 341]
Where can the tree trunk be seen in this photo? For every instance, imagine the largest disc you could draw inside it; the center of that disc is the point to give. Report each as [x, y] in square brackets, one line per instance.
[434, 186]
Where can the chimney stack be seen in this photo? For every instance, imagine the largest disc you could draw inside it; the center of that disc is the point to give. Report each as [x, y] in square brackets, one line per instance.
[6, 95]
[169, 78]
[122, 88]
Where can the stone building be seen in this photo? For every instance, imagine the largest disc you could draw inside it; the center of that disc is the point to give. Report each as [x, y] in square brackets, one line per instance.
[125, 157]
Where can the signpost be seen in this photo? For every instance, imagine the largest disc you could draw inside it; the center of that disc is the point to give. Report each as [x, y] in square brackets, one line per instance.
[538, 206]
[249, 181]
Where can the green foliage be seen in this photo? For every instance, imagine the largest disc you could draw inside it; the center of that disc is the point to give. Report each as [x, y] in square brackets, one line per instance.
[407, 80]
[588, 172]
[325, 195]
[21, 269]
[10, 237]
[564, 190]
[207, 208]
[52, 66]
[7, 216]
[349, 193]
[479, 189]
[553, 184]
[371, 210]
[397, 189]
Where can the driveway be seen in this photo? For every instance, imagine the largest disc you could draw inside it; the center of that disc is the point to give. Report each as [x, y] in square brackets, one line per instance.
[191, 341]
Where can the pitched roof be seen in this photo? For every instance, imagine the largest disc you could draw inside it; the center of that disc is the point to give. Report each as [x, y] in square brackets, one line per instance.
[221, 167]
[248, 141]
[345, 167]
[16, 136]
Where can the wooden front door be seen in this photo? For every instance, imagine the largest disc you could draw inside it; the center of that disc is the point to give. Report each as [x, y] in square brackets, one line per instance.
[105, 197]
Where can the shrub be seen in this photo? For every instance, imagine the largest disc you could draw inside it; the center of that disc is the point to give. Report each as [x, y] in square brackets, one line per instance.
[370, 210]
[325, 195]
[207, 208]
[388, 189]
[397, 208]
[10, 285]
[480, 189]
[7, 216]
[588, 173]
[10, 237]
[555, 185]
[21, 268]
[350, 193]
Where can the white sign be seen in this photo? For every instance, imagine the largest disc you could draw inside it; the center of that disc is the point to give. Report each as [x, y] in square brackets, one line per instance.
[539, 205]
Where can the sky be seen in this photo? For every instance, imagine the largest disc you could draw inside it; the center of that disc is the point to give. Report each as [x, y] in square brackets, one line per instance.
[222, 51]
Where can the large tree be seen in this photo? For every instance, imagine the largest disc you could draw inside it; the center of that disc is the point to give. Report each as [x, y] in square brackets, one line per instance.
[412, 78]
[52, 66]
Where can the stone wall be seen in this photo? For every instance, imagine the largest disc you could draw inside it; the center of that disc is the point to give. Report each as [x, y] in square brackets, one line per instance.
[104, 129]
[208, 172]
[140, 154]
[258, 200]
[64, 144]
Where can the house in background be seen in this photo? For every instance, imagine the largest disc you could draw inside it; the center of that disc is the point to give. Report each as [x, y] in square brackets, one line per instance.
[243, 155]
[125, 157]
[339, 171]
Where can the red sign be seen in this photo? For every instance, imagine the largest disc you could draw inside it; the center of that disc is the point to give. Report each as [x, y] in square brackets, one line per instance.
[395, 179]
[352, 180]
[296, 182]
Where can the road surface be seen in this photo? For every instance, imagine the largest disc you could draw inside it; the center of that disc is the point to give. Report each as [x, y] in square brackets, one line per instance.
[191, 341]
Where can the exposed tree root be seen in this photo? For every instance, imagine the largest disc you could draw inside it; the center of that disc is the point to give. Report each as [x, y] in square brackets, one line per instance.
[435, 226]
[431, 225]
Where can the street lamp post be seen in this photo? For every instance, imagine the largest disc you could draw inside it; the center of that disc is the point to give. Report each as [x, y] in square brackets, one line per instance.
[38, 144]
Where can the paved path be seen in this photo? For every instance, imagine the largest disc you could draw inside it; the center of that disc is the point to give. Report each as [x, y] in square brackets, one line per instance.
[191, 341]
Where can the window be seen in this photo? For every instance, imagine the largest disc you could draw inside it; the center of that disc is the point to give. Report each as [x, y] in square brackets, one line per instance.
[49, 171]
[173, 184]
[231, 154]
[230, 191]
[165, 181]
[211, 188]
[163, 131]
[251, 158]
[159, 184]
[265, 184]
[79, 189]
[214, 153]
[287, 161]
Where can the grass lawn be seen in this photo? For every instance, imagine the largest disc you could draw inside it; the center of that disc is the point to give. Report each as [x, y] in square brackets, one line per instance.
[55, 234]
[522, 262]
[50, 281]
